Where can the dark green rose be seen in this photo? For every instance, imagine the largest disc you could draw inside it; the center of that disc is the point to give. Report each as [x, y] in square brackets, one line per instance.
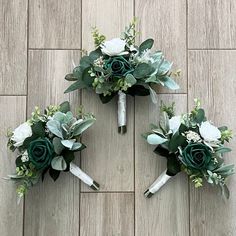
[196, 155]
[40, 153]
[119, 65]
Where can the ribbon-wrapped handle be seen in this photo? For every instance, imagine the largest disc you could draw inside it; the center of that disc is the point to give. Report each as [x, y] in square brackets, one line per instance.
[122, 112]
[76, 171]
[159, 182]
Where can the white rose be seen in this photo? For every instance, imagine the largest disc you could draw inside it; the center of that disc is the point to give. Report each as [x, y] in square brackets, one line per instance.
[209, 132]
[21, 133]
[114, 47]
[174, 123]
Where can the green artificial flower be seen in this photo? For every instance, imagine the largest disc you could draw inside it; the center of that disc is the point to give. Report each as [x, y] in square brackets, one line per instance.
[196, 156]
[40, 153]
[119, 65]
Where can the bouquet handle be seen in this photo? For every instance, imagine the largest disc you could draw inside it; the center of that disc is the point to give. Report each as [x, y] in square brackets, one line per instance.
[122, 112]
[159, 182]
[76, 171]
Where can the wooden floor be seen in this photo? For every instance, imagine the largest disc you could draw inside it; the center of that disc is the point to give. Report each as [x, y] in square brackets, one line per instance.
[39, 39]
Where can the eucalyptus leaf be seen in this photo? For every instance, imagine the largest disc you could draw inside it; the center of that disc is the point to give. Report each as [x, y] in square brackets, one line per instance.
[130, 79]
[147, 44]
[58, 147]
[65, 107]
[155, 139]
[58, 163]
[200, 116]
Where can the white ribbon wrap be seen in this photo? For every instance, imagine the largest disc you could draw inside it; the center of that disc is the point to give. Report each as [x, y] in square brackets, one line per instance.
[121, 109]
[75, 170]
[159, 182]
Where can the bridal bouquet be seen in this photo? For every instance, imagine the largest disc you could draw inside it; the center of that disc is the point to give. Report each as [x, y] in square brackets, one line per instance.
[193, 145]
[119, 67]
[47, 143]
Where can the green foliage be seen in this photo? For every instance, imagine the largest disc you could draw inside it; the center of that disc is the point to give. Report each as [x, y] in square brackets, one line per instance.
[168, 109]
[97, 37]
[130, 32]
[132, 71]
[189, 151]
[147, 44]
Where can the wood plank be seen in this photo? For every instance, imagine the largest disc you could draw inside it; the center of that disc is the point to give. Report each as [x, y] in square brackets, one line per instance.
[55, 205]
[110, 155]
[161, 213]
[212, 24]
[165, 22]
[106, 214]
[13, 47]
[212, 79]
[55, 24]
[13, 114]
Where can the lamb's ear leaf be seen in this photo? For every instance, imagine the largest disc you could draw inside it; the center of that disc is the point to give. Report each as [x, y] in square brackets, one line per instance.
[54, 173]
[81, 127]
[147, 44]
[143, 70]
[58, 163]
[65, 107]
[106, 99]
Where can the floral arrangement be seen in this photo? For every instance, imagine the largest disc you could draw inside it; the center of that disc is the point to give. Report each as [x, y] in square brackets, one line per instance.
[193, 145]
[47, 143]
[119, 67]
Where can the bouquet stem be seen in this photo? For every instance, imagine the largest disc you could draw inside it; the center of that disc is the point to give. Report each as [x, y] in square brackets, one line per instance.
[122, 112]
[159, 182]
[75, 170]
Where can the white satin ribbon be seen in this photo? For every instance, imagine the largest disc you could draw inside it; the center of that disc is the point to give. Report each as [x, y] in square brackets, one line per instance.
[159, 182]
[75, 170]
[121, 109]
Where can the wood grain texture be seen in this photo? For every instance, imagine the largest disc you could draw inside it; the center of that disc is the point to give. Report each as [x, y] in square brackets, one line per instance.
[212, 24]
[52, 208]
[55, 24]
[13, 47]
[110, 155]
[165, 22]
[107, 214]
[212, 79]
[166, 213]
[11, 213]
